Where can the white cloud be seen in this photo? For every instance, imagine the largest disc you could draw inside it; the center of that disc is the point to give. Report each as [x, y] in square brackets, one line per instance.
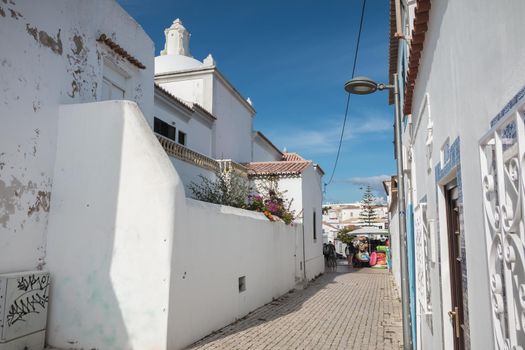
[375, 182]
[325, 139]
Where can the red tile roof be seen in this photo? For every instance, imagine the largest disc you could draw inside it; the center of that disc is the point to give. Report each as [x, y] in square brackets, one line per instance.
[416, 47]
[292, 157]
[277, 168]
[393, 50]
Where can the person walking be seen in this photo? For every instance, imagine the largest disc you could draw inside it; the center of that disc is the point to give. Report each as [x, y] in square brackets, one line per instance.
[349, 251]
[332, 257]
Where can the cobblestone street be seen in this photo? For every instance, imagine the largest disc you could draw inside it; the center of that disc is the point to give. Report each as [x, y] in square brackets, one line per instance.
[347, 309]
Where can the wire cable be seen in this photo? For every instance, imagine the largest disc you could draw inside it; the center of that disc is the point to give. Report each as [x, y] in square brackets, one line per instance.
[348, 97]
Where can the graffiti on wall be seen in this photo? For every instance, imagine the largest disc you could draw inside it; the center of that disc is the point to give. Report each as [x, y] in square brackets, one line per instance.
[26, 298]
[33, 298]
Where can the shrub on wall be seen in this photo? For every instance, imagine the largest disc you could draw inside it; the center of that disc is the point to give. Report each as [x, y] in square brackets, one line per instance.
[272, 202]
[234, 190]
[226, 189]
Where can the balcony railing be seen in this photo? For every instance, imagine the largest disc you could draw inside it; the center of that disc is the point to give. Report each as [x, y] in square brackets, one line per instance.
[178, 151]
[228, 165]
[173, 149]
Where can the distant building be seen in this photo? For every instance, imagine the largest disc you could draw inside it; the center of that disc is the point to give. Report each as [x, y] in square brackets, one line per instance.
[348, 214]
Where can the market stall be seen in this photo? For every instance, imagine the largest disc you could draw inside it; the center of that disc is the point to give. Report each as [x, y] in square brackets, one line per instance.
[370, 248]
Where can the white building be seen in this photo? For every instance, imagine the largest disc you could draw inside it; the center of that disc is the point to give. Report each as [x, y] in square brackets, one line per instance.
[348, 214]
[393, 219]
[89, 195]
[217, 126]
[201, 83]
[301, 181]
[463, 88]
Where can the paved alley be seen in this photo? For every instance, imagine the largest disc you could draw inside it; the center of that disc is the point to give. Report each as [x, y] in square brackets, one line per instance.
[347, 309]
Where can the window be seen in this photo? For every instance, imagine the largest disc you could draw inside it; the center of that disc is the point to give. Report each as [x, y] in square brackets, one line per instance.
[114, 82]
[315, 226]
[164, 129]
[182, 138]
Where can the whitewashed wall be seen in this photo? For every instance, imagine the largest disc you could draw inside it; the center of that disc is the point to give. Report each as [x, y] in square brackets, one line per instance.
[190, 173]
[134, 264]
[470, 69]
[48, 57]
[113, 216]
[196, 90]
[222, 245]
[312, 198]
[262, 152]
[234, 125]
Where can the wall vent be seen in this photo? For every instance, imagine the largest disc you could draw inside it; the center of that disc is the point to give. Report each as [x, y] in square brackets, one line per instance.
[242, 284]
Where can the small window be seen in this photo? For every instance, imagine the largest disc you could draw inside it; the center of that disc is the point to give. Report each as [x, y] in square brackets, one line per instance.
[315, 226]
[164, 129]
[182, 138]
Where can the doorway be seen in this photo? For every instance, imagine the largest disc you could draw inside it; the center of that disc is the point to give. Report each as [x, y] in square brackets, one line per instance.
[456, 313]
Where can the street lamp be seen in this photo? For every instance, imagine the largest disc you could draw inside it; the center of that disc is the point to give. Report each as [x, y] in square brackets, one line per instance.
[365, 86]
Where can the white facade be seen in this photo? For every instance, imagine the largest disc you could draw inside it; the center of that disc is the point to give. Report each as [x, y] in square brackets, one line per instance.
[305, 193]
[48, 59]
[201, 83]
[264, 150]
[469, 79]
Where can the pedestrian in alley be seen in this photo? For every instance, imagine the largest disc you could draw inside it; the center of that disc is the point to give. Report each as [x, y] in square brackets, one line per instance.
[349, 251]
[332, 256]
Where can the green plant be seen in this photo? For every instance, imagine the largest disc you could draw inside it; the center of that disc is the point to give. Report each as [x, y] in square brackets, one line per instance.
[234, 190]
[226, 189]
[343, 234]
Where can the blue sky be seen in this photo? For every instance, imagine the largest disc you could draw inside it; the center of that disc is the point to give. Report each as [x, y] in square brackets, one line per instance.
[292, 59]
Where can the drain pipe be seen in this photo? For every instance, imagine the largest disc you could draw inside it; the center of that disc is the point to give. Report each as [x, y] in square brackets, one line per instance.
[405, 282]
[304, 257]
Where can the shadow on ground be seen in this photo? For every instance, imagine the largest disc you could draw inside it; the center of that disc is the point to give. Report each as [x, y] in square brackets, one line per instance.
[284, 305]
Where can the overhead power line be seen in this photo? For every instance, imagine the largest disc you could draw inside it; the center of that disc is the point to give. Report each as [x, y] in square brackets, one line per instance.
[348, 94]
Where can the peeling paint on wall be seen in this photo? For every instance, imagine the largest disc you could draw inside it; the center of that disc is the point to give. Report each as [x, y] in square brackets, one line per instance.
[45, 39]
[79, 45]
[15, 14]
[42, 201]
[81, 72]
[10, 198]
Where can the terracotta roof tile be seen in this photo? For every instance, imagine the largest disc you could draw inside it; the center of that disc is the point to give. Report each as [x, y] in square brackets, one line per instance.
[420, 25]
[292, 157]
[278, 167]
[103, 38]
